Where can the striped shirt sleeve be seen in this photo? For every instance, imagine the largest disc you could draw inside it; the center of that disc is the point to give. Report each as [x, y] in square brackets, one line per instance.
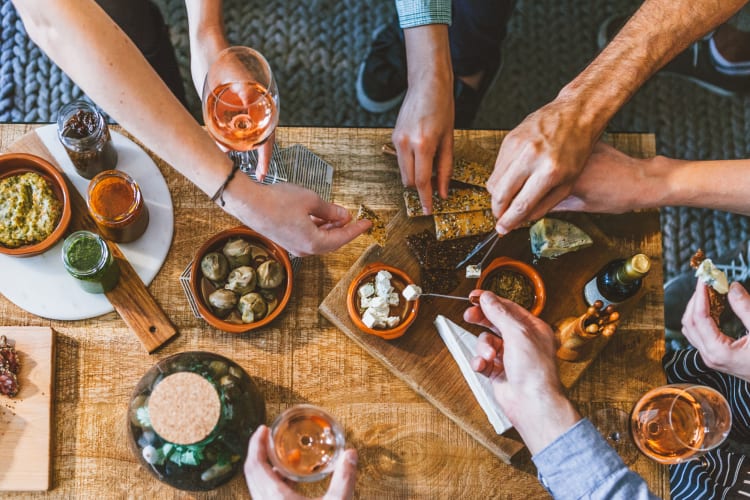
[412, 13]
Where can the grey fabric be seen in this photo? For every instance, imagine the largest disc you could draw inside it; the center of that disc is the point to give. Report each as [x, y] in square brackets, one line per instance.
[316, 46]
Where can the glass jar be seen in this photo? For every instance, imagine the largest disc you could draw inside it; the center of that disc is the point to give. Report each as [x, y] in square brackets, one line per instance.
[116, 204]
[85, 136]
[87, 258]
[190, 419]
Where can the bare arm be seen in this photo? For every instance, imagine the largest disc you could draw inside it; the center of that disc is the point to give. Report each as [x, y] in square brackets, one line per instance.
[115, 75]
[540, 159]
[423, 135]
[207, 36]
[613, 182]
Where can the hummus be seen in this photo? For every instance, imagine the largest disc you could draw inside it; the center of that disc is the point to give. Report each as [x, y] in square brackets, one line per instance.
[29, 209]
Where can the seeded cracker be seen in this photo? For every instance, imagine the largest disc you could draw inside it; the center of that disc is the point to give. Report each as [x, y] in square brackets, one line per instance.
[377, 231]
[459, 200]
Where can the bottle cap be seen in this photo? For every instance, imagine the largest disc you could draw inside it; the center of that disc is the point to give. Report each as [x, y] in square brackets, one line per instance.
[640, 263]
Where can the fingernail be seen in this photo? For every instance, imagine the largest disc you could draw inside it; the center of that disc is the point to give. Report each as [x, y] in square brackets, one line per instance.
[734, 288]
[501, 230]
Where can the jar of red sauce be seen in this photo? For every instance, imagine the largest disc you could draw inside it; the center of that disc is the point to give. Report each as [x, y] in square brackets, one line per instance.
[116, 204]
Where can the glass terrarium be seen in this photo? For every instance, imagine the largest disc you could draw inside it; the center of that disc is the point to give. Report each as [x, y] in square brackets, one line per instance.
[190, 419]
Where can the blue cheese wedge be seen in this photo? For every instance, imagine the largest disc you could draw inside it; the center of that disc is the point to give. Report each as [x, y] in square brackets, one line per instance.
[712, 276]
[552, 237]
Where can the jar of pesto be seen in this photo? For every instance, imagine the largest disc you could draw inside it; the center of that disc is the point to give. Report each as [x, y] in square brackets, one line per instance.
[87, 258]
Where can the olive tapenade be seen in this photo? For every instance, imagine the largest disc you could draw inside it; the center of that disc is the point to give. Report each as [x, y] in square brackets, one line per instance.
[29, 209]
[512, 286]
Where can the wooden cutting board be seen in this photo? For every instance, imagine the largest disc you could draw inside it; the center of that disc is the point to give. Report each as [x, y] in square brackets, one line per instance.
[25, 420]
[420, 357]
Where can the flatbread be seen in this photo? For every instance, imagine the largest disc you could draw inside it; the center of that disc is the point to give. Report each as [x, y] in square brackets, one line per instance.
[377, 231]
[459, 225]
[459, 200]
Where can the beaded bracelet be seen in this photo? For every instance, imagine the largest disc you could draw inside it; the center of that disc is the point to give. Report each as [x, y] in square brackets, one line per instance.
[220, 192]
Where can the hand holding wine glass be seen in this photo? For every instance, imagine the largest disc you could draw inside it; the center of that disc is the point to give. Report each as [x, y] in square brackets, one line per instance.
[241, 106]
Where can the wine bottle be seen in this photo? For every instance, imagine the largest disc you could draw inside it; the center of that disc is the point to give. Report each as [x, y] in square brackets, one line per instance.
[617, 281]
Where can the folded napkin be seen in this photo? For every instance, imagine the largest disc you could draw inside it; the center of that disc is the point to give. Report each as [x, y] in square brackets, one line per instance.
[463, 345]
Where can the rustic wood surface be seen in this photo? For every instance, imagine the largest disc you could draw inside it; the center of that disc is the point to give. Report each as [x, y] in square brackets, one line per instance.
[130, 298]
[25, 420]
[407, 447]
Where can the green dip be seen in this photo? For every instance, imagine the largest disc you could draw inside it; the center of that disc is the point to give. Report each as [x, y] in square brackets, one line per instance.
[29, 209]
[87, 258]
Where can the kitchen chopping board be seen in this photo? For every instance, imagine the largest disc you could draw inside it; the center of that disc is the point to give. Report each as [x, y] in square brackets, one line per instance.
[421, 359]
[25, 420]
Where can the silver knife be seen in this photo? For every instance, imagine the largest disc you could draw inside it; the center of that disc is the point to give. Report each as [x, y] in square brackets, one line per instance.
[477, 249]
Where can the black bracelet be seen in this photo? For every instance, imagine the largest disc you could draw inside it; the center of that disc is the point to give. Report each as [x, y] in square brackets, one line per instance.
[220, 193]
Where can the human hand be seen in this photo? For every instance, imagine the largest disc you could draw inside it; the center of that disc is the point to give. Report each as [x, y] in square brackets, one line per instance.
[519, 359]
[538, 163]
[292, 216]
[263, 482]
[719, 351]
[611, 182]
[423, 136]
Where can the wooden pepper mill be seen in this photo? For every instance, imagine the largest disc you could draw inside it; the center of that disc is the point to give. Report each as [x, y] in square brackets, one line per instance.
[576, 333]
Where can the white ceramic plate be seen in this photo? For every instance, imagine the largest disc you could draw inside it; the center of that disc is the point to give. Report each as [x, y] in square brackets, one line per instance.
[40, 284]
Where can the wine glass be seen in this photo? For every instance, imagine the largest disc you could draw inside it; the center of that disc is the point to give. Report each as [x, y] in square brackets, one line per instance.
[678, 422]
[305, 442]
[240, 103]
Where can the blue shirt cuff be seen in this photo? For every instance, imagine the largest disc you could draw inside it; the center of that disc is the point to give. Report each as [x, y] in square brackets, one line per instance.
[413, 13]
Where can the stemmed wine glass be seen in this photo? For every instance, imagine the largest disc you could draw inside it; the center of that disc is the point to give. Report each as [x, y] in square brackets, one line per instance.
[241, 103]
[669, 424]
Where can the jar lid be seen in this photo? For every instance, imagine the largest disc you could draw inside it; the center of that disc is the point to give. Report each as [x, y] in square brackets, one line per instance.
[184, 408]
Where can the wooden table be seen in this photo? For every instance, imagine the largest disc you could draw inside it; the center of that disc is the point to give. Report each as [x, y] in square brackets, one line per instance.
[407, 448]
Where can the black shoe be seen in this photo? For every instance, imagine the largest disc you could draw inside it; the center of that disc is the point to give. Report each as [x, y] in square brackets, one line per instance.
[678, 290]
[694, 63]
[382, 81]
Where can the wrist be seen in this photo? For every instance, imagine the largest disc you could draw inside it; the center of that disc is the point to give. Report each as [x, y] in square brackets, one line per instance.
[428, 54]
[542, 419]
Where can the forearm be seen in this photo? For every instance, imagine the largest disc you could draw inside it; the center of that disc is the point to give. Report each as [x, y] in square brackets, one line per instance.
[544, 419]
[207, 36]
[80, 38]
[656, 33]
[715, 184]
[428, 55]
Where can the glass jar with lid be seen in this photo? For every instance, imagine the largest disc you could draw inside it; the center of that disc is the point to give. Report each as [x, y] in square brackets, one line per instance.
[84, 134]
[88, 259]
[116, 204]
[191, 417]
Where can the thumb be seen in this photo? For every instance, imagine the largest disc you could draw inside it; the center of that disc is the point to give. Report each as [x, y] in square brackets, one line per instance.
[344, 477]
[329, 212]
[507, 316]
[739, 299]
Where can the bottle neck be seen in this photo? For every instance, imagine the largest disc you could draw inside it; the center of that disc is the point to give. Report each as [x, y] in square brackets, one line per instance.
[634, 268]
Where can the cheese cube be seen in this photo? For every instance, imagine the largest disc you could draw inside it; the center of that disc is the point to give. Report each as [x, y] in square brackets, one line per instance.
[366, 290]
[473, 271]
[371, 320]
[393, 299]
[412, 292]
[383, 283]
[365, 302]
[392, 321]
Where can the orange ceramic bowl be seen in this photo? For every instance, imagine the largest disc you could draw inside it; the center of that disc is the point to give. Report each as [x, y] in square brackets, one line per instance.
[21, 163]
[522, 268]
[198, 283]
[406, 310]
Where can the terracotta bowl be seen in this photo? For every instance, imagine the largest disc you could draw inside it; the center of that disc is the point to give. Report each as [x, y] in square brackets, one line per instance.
[21, 163]
[407, 310]
[522, 268]
[198, 282]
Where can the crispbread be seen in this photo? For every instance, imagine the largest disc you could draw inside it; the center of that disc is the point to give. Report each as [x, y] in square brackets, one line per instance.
[472, 164]
[459, 200]
[458, 225]
[377, 231]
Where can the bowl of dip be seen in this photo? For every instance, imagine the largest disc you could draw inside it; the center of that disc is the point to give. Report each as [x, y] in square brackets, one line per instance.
[376, 303]
[240, 280]
[515, 280]
[35, 205]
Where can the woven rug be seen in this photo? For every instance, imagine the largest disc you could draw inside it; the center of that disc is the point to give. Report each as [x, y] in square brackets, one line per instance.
[316, 46]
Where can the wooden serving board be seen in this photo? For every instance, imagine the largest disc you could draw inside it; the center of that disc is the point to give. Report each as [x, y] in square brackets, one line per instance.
[130, 298]
[420, 357]
[25, 420]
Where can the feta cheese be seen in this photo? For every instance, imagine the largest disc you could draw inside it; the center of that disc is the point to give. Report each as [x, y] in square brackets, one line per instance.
[366, 290]
[393, 299]
[712, 276]
[365, 302]
[369, 319]
[473, 271]
[383, 283]
[392, 321]
[412, 292]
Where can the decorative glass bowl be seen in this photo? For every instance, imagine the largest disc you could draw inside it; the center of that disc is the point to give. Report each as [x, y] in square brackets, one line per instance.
[190, 419]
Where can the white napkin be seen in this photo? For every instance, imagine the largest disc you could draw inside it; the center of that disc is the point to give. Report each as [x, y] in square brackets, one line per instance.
[463, 345]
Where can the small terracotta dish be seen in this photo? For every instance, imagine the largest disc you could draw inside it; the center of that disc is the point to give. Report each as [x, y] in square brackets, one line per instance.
[21, 163]
[504, 274]
[263, 250]
[405, 310]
